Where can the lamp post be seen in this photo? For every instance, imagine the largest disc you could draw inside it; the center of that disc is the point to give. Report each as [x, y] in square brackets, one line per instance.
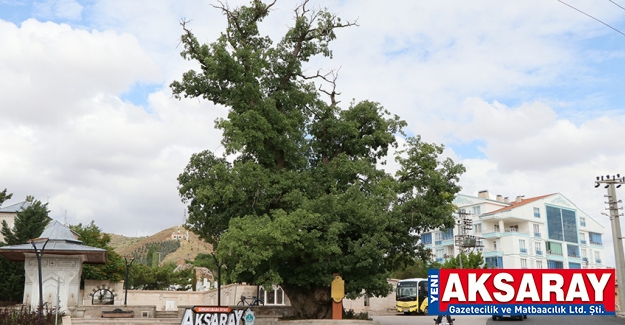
[128, 265]
[218, 280]
[39, 254]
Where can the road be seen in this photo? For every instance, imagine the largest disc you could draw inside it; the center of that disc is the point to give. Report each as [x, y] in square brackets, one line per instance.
[484, 320]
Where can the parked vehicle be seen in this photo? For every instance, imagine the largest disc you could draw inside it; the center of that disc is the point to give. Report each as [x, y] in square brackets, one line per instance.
[412, 296]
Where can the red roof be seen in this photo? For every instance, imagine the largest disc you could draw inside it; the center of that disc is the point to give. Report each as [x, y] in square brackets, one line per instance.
[515, 204]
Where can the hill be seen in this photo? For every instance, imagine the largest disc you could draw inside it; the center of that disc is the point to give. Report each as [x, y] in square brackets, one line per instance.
[131, 246]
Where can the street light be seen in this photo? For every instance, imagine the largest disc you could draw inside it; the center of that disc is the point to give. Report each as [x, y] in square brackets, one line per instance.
[128, 265]
[39, 254]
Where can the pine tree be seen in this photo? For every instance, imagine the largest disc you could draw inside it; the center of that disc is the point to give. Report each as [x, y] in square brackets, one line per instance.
[29, 223]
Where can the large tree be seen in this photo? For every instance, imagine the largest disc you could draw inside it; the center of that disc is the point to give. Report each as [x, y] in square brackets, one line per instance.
[305, 197]
[29, 223]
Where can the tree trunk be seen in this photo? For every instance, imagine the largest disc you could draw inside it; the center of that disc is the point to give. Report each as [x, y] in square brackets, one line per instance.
[314, 303]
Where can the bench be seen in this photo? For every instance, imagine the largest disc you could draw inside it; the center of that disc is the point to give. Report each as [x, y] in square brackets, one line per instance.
[118, 313]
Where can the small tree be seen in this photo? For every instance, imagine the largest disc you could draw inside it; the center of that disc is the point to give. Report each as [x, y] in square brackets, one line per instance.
[29, 224]
[473, 260]
[5, 196]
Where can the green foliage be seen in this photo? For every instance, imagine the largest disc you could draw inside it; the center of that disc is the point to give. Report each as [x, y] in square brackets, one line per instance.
[23, 315]
[473, 260]
[5, 196]
[29, 223]
[161, 277]
[305, 197]
[146, 253]
[115, 268]
[351, 314]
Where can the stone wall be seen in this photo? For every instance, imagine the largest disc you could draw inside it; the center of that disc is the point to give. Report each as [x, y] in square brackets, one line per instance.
[169, 300]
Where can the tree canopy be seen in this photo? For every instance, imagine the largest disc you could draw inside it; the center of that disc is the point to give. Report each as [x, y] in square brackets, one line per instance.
[29, 223]
[5, 196]
[115, 268]
[305, 196]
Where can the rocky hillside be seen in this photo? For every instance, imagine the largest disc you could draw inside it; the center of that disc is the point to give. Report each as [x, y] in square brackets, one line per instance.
[129, 246]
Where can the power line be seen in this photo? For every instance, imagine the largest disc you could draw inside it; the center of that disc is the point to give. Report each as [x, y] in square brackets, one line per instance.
[593, 17]
[616, 4]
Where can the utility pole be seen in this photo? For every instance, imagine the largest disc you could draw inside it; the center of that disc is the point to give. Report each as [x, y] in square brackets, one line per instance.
[612, 183]
[463, 239]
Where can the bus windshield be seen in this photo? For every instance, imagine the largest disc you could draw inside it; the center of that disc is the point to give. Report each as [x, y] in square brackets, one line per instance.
[406, 291]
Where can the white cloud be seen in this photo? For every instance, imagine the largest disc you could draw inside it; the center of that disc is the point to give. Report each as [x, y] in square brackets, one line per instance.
[458, 71]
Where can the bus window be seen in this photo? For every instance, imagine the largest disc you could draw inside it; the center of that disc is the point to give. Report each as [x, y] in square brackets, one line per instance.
[423, 289]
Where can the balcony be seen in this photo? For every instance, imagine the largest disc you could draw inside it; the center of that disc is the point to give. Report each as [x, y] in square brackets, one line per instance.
[438, 242]
[574, 255]
[537, 234]
[596, 243]
[549, 252]
[585, 259]
[583, 242]
[583, 224]
[440, 259]
[524, 250]
[539, 252]
[598, 261]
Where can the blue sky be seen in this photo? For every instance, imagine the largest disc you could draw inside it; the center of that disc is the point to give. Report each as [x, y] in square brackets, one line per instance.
[526, 94]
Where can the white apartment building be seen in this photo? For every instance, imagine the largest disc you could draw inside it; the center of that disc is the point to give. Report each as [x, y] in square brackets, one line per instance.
[541, 232]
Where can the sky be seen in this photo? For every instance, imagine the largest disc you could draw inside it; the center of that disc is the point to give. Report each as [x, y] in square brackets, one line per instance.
[527, 95]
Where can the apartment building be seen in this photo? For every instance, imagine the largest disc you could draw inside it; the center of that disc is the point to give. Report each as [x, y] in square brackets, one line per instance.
[547, 231]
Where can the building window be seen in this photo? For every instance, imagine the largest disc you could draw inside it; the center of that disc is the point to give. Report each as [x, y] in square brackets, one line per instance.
[494, 245]
[584, 256]
[447, 234]
[595, 239]
[539, 264]
[524, 263]
[572, 250]
[582, 221]
[495, 262]
[554, 248]
[478, 228]
[582, 238]
[440, 255]
[497, 228]
[477, 210]
[537, 212]
[522, 246]
[554, 264]
[437, 238]
[273, 297]
[597, 257]
[575, 265]
[426, 238]
[536, 230]
[561, 224]
[538, 248]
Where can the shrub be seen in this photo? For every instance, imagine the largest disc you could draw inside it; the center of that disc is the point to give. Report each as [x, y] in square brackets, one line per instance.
[351, 314]
[23, 315]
